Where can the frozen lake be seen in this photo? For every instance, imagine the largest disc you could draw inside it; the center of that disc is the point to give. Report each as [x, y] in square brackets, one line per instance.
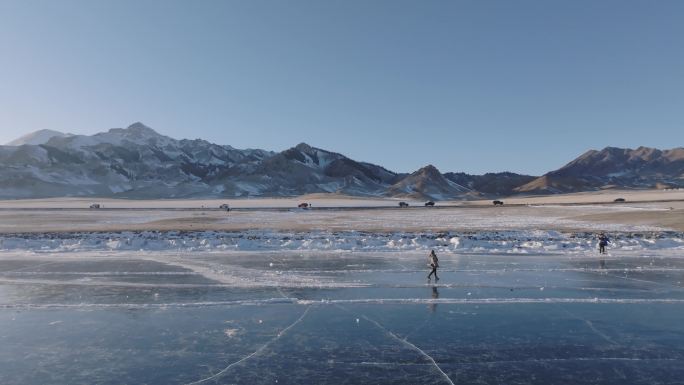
[535, 310]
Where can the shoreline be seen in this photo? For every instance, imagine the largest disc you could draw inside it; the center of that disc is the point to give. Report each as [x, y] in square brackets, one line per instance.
[643, 211]
[528, 242]
[558, 218]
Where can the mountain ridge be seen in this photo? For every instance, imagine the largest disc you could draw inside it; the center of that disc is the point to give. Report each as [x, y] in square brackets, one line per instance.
[139, 162]
[36, 138]
[613, 167]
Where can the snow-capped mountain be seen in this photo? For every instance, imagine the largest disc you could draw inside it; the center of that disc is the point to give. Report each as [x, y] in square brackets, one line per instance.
[131, 162]
[612, 167]
[306, 169]
[138, 162]
[37, 137]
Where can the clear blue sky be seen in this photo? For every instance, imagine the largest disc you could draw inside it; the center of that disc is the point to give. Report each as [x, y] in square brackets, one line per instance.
[473, 86]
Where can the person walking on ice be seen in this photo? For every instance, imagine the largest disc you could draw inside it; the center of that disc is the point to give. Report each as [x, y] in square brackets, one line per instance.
[434, 264]
[603, 242]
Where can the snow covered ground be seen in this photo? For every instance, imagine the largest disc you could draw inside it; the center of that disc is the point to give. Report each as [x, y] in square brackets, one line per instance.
[509, 242]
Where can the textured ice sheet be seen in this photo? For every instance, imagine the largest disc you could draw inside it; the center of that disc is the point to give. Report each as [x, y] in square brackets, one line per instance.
[551, 314]
[354, 344]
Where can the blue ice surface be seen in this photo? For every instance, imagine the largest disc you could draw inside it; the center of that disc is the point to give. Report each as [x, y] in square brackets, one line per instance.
[338, 319]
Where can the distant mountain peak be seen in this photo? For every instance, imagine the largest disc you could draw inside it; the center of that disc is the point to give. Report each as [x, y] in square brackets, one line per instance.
[136, 130]
[303, 147]
[139, 126]
[613, 167]
[37, 137]
[429, 169]
[427, 183]
[428, 172]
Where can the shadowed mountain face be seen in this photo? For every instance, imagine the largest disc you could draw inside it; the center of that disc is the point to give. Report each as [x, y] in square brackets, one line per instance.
[490, 184]
[138, 162]
[614, 168]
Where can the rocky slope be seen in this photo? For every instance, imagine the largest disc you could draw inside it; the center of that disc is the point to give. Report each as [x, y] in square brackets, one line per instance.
[612, 167]
[428, 183]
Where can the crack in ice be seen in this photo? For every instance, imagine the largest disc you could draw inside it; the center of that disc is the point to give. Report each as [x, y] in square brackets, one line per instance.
[412, 346]
[255, 353]
[592, 327]
[570, 359]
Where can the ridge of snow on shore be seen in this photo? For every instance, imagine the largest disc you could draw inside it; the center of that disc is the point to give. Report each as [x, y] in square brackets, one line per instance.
[519, 242]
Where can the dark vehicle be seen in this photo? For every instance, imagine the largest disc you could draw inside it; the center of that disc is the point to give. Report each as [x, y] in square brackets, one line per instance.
[303, 206]
[618, 200]
[498, 203]
[429, 204]
[403, 204]
[95, 206]
[225, 206]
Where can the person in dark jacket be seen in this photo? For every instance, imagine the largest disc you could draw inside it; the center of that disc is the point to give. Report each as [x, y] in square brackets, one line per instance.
[434, 264]
[603, 242]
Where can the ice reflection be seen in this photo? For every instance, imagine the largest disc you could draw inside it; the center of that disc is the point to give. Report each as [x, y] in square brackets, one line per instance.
[435, 295]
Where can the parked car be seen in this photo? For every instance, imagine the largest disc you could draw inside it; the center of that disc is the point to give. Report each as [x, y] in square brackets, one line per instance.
[303, 206]
[403, 204]
[617, 200]
[429, 204]
[225, 206]
[498, 203]
[95, 206]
